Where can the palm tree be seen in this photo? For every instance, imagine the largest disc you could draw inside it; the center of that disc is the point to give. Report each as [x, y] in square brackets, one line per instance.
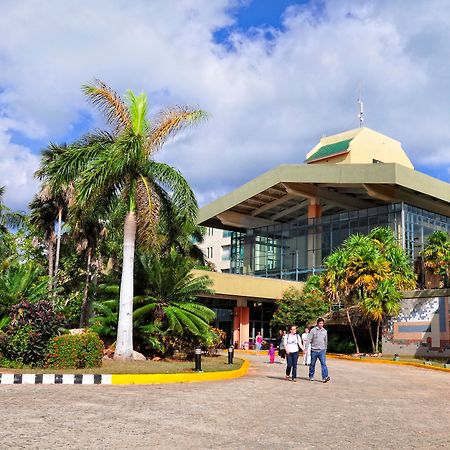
[42, 217]
[119, 164]
[437, 255]
[21, 282]
[167, 303]
[384, 301]
[7, 217]
[336, 284]
[87, 234]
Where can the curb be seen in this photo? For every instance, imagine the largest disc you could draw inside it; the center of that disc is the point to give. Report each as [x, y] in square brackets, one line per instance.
[152, 378]
[386, 361]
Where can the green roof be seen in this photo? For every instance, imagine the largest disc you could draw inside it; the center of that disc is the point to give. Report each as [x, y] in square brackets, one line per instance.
[330, 150]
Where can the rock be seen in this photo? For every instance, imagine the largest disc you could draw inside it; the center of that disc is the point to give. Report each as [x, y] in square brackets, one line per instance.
[138, 356]
[156, 358]
[74, 331]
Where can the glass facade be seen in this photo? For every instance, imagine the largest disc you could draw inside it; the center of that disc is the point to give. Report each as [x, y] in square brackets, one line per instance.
[296, 249]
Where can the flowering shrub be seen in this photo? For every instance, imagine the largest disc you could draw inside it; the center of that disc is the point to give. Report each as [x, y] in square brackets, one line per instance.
[27, 336]
[77, 351]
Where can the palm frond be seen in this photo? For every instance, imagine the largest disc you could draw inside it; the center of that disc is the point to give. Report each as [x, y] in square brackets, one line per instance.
[109, 103]
[169, 122]
[171, 179]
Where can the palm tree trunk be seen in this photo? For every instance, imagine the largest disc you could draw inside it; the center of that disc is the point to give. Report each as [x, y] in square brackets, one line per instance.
[85, 304]
[374, 345]
[353, 331]
[378, 334]
[50, 257]
[124, 343]
[58, 247]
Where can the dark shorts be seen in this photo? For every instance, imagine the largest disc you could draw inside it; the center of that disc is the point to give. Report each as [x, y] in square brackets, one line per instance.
[282, 353]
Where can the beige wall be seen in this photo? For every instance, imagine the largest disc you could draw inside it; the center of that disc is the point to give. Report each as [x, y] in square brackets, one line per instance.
[234, 286]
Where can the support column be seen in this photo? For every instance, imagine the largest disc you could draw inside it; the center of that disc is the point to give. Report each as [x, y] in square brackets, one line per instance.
[314, 236]
[241, 323]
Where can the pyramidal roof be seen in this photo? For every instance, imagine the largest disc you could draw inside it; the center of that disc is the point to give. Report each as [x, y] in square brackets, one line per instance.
[358, 146]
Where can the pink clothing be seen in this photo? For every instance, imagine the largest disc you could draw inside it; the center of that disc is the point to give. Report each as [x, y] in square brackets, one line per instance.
[271, 354]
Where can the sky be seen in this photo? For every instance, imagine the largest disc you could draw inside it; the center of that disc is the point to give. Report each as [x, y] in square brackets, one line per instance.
[274, 76]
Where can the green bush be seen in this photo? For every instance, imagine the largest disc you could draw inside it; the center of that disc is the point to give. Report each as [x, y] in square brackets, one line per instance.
[337, 344]
[77, 351]
[31, 327]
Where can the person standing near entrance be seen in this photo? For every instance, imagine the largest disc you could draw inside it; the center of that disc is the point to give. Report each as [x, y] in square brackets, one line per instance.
[318, 341]
[258, 342]
[292, 345]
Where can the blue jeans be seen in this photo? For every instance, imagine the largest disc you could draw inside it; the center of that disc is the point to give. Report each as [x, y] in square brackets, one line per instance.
[323, 363]
[292, 359]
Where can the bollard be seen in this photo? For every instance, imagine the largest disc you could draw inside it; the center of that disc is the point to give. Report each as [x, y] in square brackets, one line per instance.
[230, 355]
[198, 360]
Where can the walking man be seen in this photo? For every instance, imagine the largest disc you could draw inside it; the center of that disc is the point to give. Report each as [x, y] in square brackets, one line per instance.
[318, 341]
[292, 345]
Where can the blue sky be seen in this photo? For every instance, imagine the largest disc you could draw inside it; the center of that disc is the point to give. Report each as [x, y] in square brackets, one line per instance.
[274, 75]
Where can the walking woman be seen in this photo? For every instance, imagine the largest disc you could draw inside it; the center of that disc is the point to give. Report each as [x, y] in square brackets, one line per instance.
[292, 345]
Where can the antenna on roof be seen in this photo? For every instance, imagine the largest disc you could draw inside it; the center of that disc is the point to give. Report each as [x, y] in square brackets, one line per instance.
[361, 110]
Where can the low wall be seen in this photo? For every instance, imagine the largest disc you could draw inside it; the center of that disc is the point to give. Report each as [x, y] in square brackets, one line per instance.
[422, 329]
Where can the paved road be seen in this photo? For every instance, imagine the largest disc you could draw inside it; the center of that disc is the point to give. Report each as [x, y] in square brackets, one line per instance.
[364, 406]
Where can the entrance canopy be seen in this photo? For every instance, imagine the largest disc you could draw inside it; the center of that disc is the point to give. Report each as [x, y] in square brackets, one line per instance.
[291, 191]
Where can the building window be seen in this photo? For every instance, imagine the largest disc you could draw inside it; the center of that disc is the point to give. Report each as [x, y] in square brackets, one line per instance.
[227, 234]
[209, 252]
[210, 231]
[226, 253]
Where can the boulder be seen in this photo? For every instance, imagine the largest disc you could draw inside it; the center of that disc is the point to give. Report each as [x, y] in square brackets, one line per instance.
[138, 356]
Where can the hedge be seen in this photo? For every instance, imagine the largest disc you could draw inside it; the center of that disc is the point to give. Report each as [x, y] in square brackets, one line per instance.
[77, 351]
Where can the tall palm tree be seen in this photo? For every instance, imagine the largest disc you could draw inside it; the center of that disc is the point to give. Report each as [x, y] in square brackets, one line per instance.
[384, 301]
[108, 165]
[436, 255]
[87, 234]
[42, 217]
[336, 284]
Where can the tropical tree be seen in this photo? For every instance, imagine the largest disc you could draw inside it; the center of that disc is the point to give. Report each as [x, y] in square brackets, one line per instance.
[105, 166]
[42, 217]
[60, 195]
[383, 301]
[337, 286]
[165, 307]
[436, 254]
[20, 282]
[301, 307]
[368, 271]
[168, 292]
[8, 218]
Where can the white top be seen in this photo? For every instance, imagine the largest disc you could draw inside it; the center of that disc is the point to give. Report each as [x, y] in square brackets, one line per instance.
[305, 337]
[292, 343]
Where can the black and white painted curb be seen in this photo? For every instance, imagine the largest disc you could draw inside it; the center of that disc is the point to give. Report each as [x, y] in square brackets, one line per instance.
[47, 378]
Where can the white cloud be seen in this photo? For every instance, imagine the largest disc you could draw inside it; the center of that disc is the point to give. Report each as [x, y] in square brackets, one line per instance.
[269, 100]
[16, 171]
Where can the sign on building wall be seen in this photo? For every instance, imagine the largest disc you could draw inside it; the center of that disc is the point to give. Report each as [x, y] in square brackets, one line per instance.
[422, 329]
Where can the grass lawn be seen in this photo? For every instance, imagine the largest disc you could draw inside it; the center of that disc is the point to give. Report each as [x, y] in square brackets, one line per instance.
[209, 364]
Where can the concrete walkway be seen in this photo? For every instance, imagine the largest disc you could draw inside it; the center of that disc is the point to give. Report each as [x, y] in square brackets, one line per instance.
[364, 406]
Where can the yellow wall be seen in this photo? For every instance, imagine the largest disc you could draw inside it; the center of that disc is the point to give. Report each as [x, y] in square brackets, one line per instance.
[246, 286]
[366, 145]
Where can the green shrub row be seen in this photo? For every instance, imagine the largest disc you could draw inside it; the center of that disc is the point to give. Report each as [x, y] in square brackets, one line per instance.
[75, 351]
